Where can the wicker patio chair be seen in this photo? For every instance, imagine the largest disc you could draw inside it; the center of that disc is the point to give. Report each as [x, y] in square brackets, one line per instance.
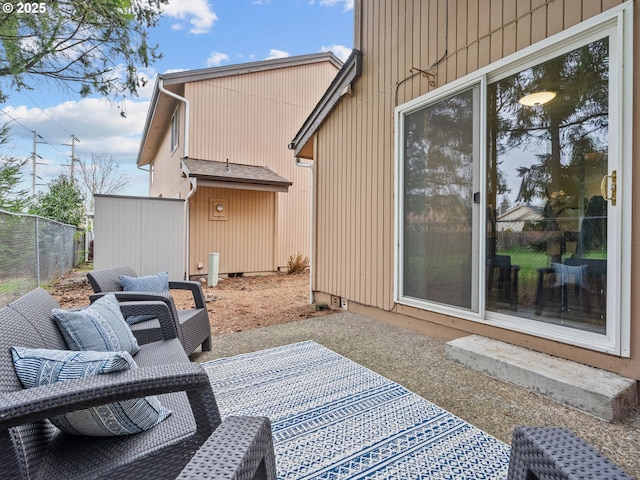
[31, 447]
[192, 324]
[545, 453]
[252, 443]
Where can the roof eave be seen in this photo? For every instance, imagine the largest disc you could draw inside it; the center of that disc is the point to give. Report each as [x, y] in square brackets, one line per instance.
[250, 67]
[341, 86]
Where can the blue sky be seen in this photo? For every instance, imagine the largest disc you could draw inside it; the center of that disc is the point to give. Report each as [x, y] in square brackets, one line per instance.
[192, 34]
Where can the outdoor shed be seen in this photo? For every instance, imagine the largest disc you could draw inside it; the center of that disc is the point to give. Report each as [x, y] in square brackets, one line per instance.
[146, 234]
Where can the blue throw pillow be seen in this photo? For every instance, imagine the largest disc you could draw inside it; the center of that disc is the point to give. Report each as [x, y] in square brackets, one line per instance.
[36, 367]
[564, 272]
[158, 283]
[98, 327]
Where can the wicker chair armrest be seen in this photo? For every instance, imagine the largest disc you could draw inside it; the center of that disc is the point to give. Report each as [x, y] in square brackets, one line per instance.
[548, 453]
[196, 290]
[158, 309]
[241, 448]
[33, 404]
[135, 296]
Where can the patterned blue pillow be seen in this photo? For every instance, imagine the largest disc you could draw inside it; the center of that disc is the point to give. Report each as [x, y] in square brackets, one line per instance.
[36, 367]
[98, 327]
[158, 283]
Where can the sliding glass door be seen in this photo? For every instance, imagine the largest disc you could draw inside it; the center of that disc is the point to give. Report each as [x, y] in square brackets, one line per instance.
[440, 222]
[511, 201]
[548, 173]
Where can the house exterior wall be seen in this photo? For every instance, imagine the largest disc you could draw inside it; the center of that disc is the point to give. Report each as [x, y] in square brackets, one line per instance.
[244, 236]
[248, 119]
[167, 180]
[354, 149]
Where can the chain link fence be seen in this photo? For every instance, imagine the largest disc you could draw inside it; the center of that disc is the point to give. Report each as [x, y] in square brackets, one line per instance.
[35, 251]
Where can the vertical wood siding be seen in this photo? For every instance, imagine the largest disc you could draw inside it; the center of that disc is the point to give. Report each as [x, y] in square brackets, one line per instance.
[355, 147]
[250, 119]
[247, 237]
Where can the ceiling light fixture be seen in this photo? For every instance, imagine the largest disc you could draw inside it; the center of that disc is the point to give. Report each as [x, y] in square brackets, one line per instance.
[537, 98]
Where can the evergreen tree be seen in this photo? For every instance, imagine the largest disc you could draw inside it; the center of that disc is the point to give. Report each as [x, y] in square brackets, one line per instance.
[63, 202]
[96, 45]
[11, 198]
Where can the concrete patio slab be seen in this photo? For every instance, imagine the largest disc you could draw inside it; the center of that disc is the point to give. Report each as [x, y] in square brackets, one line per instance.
[600, 393]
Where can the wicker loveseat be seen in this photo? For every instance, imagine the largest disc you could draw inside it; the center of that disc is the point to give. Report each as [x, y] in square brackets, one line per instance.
[192, 324]
[31, 447]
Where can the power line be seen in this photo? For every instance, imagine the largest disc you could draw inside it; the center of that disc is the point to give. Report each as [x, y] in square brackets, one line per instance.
[49, 116]
[16, 120]
[30, 130]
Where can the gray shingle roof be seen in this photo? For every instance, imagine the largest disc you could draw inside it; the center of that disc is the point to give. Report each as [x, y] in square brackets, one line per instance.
[234, 172]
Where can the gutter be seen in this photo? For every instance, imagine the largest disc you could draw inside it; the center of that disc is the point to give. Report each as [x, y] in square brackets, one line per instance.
[310, 166]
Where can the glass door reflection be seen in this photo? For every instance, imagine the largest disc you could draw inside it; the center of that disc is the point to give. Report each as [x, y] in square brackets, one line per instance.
[546, 213]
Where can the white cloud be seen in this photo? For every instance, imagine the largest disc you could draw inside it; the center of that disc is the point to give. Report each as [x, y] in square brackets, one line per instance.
[216, 59]
[273, 53]
[95, 122]
[175, 70]
[339, 51]
[348, 4]
[197, 12]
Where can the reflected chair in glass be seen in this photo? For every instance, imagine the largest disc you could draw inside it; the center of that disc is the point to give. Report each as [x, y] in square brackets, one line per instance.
[506, 280]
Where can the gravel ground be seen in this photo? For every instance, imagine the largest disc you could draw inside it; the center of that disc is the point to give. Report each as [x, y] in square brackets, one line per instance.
[254, 313]
[420, 364]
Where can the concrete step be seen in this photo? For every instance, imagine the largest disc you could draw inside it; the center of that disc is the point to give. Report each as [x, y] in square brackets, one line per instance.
[600, 393]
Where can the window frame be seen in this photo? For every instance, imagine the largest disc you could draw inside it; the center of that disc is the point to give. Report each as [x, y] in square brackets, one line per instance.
[616, 24]
[174, 130]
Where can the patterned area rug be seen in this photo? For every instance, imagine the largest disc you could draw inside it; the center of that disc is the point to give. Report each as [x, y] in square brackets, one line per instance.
[334, 419]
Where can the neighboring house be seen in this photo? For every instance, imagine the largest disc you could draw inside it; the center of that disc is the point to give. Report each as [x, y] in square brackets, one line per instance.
[434, 102]
[515, 218]
[218, 138]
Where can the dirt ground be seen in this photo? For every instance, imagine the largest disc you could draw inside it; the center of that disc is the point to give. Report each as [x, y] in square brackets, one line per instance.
[234, 305]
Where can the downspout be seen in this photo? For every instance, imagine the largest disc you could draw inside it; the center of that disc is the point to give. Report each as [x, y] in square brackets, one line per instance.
[187, 220]
[310, 166]
[185, 154]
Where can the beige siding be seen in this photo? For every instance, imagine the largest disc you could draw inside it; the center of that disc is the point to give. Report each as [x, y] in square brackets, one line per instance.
[246, 237]
[250, 119]
[167, 178]
[354, 149]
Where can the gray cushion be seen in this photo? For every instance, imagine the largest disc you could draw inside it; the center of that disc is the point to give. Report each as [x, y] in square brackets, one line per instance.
[158, 283]
[36, 367]
[563, 272]
[99, 327]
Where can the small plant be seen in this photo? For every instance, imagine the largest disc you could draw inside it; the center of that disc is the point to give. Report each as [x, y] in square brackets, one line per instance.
[297, 264]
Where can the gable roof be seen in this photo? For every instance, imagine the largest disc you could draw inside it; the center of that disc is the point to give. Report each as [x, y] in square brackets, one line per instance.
[234, 175]
[162, 106]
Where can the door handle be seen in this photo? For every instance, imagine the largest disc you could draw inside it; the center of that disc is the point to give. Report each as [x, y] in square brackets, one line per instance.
[614, 185]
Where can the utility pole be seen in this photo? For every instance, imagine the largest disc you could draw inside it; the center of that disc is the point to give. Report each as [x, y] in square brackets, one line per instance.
[34, 160]
[74, 139]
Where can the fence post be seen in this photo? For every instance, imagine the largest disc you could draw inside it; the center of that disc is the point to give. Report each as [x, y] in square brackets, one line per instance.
[37, 226]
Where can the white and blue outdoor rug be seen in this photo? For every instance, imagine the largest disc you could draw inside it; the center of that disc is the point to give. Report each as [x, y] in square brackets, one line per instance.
[334, 419]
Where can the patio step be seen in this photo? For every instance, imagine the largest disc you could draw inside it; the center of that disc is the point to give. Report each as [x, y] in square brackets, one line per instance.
[600, 393]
